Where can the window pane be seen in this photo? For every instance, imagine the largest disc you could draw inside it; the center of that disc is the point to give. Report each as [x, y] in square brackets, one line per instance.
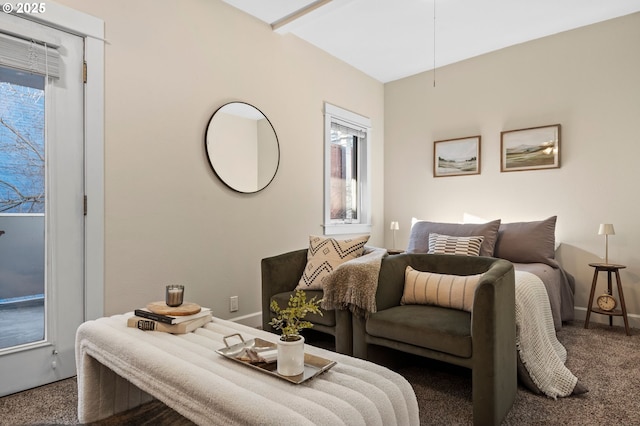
[21, 142]
[344, 174]
[22, 206]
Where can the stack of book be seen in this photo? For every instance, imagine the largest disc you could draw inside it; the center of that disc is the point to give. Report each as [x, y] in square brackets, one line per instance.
[144, 319]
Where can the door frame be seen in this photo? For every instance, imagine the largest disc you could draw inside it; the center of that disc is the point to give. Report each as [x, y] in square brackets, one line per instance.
[91, 29]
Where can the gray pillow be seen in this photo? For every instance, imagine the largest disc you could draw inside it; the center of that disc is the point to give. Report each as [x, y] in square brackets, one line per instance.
[419, 237]
[528, 242]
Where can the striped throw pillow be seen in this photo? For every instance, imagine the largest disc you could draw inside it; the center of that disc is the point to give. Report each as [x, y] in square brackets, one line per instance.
[429, 288]
[447, 244]
[326, 254]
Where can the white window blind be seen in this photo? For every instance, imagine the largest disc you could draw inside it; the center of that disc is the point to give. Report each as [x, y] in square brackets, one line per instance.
[348, 129]
[29, 56]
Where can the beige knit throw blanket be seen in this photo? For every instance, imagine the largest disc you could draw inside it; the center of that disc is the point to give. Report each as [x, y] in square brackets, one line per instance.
[353, 284]
[542, 354]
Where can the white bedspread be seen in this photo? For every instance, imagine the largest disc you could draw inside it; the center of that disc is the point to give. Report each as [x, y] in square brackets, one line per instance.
[540, 351]
[186, 373]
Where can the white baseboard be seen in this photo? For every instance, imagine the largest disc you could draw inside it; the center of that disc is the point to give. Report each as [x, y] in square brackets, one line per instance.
[251, 320]
[581, 315]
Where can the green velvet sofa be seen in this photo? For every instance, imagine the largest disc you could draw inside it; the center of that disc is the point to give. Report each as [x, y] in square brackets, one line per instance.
[483, 341]
[280, 276]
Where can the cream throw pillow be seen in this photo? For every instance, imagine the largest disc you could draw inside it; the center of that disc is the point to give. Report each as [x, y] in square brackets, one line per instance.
[429, 288]
[326, 254]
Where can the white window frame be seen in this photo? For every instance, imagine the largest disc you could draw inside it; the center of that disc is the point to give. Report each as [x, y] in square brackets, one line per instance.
[341, 116]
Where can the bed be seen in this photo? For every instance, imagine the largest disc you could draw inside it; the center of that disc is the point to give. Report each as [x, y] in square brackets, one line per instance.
[530, 246]
[560, 286]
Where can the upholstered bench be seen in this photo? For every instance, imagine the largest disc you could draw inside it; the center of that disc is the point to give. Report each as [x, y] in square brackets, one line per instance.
[120, 367]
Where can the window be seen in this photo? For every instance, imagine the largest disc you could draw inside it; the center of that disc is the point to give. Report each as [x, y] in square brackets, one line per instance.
[346, 182]
[22, 154]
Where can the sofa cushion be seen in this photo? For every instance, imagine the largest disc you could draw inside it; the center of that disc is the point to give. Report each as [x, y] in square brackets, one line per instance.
[528, 242]
[328, 318]
[419, 236]
[449, 291]
[433, 327]
[324, 255]
[448, 244]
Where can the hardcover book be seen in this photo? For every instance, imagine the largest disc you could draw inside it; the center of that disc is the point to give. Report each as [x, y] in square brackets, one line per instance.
[170, 319]
[180, 328]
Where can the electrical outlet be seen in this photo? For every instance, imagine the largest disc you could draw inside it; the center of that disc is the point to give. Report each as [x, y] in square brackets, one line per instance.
[233, 304]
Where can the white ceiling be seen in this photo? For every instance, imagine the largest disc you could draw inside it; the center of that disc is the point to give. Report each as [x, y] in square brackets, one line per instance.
[392, 39]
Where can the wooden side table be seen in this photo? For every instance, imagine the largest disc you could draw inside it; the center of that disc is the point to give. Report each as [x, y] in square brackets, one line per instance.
[610, 269]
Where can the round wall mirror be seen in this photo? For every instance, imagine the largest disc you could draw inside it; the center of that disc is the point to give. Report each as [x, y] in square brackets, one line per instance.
[242, 147]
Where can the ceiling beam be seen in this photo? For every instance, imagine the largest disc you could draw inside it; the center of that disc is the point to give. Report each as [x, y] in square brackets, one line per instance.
[298, 14]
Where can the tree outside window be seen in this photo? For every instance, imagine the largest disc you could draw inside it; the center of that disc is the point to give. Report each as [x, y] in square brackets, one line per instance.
[22, 153]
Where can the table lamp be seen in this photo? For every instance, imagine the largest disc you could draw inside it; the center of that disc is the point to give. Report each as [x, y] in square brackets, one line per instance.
[394, 227]
[606, 229]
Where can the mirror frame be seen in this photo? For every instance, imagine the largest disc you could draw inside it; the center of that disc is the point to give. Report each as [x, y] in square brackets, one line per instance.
[216, 172]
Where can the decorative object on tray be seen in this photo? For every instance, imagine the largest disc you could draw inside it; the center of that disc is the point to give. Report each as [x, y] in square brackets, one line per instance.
[291, 321]
[530, 149]
[454, 157]
[261, 355]
[174, 295]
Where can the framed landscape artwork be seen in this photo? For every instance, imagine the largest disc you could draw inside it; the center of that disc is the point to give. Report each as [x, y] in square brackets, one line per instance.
[530, 149]
[455, 157]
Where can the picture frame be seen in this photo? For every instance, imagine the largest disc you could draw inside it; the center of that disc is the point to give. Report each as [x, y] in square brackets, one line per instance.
[534, 148]
[457, 157]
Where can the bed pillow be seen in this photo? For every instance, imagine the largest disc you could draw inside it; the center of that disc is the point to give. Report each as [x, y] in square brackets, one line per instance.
[448, 291]
[528, 242]
[419, 237]
[447, 244]
[324, 255]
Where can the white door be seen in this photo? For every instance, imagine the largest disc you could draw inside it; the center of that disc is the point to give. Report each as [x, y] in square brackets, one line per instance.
[47, 355]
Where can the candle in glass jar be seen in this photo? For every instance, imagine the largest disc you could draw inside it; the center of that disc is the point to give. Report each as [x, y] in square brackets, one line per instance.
[174, 295]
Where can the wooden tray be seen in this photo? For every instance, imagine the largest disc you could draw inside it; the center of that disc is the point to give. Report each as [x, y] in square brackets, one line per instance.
[163, 309]
[313, 365]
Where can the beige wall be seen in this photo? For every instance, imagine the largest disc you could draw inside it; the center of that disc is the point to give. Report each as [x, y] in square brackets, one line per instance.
[586, 80]
[169, 65]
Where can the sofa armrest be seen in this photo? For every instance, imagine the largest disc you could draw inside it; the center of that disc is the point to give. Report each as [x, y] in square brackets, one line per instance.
[280, 274]
[493, 316]
[493, 330]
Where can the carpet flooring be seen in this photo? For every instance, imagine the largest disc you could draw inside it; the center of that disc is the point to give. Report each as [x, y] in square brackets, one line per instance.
[603, 358]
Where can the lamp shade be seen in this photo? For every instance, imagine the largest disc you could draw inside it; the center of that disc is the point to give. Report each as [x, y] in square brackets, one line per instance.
[606, 229]
[394, 226]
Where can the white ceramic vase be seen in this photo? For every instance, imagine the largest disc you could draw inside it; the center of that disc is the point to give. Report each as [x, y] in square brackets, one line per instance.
[291, 357]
